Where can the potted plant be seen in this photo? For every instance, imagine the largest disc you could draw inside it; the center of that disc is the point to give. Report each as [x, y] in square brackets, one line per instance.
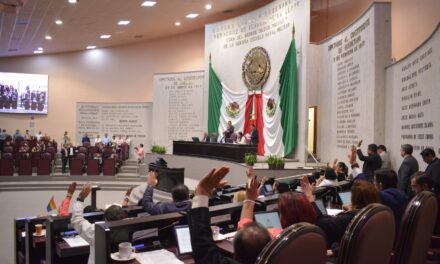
[158, 149]
[250, 159]
[275, 162]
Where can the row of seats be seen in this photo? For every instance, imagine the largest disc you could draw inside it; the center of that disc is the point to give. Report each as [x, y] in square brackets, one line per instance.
[44, 166]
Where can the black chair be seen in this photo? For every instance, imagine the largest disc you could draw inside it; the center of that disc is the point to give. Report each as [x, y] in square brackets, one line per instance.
[301, 243]
[369, 237]
[416, 228]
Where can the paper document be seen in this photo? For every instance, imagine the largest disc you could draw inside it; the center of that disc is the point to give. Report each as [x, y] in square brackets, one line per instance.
[157, 256]
[75, 241]
[334, 211]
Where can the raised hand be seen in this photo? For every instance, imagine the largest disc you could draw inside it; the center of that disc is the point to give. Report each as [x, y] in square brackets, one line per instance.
[359, 143]
[252, 189]
[127, 194]
[85, 191]
[152, 178]
[307, 189]
[213, 180]
[71, 189]
[250, 172]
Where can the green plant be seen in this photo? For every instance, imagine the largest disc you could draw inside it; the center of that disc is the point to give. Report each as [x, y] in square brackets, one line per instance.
[158, 149]
[275, 162]
[250, 158]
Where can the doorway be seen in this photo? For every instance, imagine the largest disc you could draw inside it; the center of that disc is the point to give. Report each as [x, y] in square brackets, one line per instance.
[312, 129]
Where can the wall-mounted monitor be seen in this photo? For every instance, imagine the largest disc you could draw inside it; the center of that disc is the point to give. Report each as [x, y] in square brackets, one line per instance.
[23, 93]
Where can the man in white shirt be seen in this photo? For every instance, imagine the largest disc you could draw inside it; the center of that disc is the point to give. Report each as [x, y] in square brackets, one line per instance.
[382, 150]
[127, 140]
[39, 136]
[85, 229]
[97, 140]
[105, 139]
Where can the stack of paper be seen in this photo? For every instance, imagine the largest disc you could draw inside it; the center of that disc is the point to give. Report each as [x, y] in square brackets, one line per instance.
[76, 241]
[157, 256]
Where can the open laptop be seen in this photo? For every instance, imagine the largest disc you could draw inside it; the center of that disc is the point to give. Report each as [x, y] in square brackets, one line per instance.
[183, 239]
[195, 139]
[268, 219]
[321, 206]
[345, 197]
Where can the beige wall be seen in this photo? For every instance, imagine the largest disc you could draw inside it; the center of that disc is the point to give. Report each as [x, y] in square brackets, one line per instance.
[412, 21]
[117, 74]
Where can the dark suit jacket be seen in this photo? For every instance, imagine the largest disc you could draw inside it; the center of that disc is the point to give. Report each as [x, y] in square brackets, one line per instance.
[409, 167]
[433, 171]
[85, 139]
[204, 249]
[371, 163]
[254, 136]
[162, 208]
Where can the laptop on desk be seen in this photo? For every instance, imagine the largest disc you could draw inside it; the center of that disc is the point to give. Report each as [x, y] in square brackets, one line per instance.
[195, 139]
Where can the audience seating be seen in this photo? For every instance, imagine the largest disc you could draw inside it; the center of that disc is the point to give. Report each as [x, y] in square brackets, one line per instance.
[44, 164]
[76, 166]
[35, 158]
[7, 165]
[416, 228]
[301, 243]
[108, 168]
[92, 167]
[370, 236]
[25, 167]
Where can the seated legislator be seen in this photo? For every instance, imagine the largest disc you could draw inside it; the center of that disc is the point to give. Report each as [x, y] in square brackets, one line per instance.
[223, 139]
[248, 242]
[363, 193]
[328, 179]
[385, 181]
[205, 137]
[85, 229]
[180, 194]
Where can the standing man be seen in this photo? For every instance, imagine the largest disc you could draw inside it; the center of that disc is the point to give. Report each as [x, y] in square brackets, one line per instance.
[372, 162]
[433, 169]
[66, 139]
[254, 134]
[382, 150]
[409, 167]
[229, 130]
[140, 153]
[64, 158]
[105, 140]
[3, 136]
[85, 139]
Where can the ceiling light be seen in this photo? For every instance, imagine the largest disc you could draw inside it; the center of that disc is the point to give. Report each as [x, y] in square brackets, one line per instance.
[73, 1]
[177, 23]
[59, 22]
[40, 48]
[38, 51]
[192, 15]
[124, 22]
[91, 47]
[105, 36]
[48, 37]
[208, 7]
[149, 3]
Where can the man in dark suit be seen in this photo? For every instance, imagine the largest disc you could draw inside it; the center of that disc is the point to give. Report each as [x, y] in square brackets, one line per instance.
[433, 169]
[254, 134]
[248, 242]
[180, 194]
[409, 167]
[85, 139]
[372, 162]
[64, 158]
[229, 130]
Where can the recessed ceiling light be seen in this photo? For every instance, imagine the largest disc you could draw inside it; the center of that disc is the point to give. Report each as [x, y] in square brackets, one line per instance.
[105, 36]
[38, 51]
[40, 48]
[48, 37]
[192, 15]
[148, 3]
[91, 47]
[73, 1]
[177, 23]
[58, 22]
[208, 6]
[124, 22]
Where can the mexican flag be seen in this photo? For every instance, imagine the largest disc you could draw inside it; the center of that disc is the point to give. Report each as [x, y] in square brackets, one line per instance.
[272, 108]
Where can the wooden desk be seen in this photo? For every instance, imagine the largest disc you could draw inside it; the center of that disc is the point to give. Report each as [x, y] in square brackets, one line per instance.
[39, 241]
[231, 152]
